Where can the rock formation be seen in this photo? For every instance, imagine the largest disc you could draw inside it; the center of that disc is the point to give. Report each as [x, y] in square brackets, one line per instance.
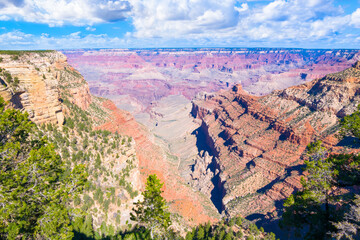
[190, 205]
[202, 173]
[50, 90]
[258, 142]
[143, 81]
[38, 92]
[136, 79]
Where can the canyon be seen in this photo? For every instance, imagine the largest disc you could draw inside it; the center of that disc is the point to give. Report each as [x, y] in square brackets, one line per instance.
[135, 79]
[225, 129]
[56, 95]
[218, 115]
[258, 142]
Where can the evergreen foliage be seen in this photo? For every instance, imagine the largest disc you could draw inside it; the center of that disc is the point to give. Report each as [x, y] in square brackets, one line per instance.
[350, 125]
[318, 211]
[152, 210]
[34, 186]
[228, 230]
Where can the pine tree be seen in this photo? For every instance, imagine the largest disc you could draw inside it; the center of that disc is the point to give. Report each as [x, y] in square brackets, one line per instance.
[152, 210]
[310, 207]
[34, 186]
[200, 233]
[350, 125]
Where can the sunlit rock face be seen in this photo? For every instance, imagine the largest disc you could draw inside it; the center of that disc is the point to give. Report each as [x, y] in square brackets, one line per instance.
[258, 141]
[135, 79]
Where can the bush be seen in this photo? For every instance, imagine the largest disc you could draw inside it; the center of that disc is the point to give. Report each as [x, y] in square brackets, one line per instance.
[238, 221]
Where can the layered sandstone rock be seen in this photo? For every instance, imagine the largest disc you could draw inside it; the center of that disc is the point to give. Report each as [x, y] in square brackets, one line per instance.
[38, 92]
[135, 79]
[42, 76]
[258, 141]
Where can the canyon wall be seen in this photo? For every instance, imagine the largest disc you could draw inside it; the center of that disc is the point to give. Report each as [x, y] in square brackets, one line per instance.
[137, 79]
[258, 141]
[243, 165]
[38, 88]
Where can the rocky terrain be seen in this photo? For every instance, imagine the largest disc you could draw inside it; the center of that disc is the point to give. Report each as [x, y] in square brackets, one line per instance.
[157, 85]
[257, 142]
[119, 153]
[37, 90]
[58, 100]
[137, 79]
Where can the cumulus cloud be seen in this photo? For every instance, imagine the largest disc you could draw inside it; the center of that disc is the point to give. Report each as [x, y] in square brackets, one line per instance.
[166, 18]
[355, 18]
[276, 20]
[196, 22]
[60, 12]
[74, 40]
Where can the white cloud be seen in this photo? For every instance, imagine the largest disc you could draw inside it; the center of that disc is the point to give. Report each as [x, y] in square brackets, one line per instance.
[355, 18]
[244, 7]
[277, 20]
[190, 22]
[20, 40]
[60, 12]
[174, 18]
[91, 29]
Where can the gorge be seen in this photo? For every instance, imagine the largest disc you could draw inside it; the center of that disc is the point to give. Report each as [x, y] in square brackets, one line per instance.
[222, 148]
[205, 109]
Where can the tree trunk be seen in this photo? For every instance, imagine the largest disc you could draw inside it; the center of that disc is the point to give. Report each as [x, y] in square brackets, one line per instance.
[327, 215]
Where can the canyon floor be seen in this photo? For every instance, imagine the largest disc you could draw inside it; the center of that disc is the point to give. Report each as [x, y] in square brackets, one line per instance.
[170, 92]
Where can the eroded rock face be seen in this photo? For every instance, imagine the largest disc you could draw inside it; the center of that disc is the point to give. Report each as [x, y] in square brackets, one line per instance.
[258, 141]
[202, 173]
[41, 76]
[37, 91]
[135, 79]
[183, 200]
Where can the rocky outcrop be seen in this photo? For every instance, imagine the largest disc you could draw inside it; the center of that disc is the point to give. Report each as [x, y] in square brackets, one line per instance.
[42, 77]
[75, 84]
[259, 141]
[202, 174]
[37, 91]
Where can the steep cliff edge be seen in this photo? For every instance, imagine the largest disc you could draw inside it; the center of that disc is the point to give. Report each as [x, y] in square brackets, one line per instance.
[58, 100]
[257, 142]
[37, 91]
[194, 207]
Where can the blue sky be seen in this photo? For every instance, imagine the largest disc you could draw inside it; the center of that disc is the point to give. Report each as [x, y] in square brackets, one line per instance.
[67, 24]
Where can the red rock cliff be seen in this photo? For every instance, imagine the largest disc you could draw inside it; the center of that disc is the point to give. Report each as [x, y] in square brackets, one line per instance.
[259, 141]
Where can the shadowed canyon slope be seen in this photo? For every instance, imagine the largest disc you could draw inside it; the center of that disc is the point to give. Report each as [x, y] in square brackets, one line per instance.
[258, 142]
